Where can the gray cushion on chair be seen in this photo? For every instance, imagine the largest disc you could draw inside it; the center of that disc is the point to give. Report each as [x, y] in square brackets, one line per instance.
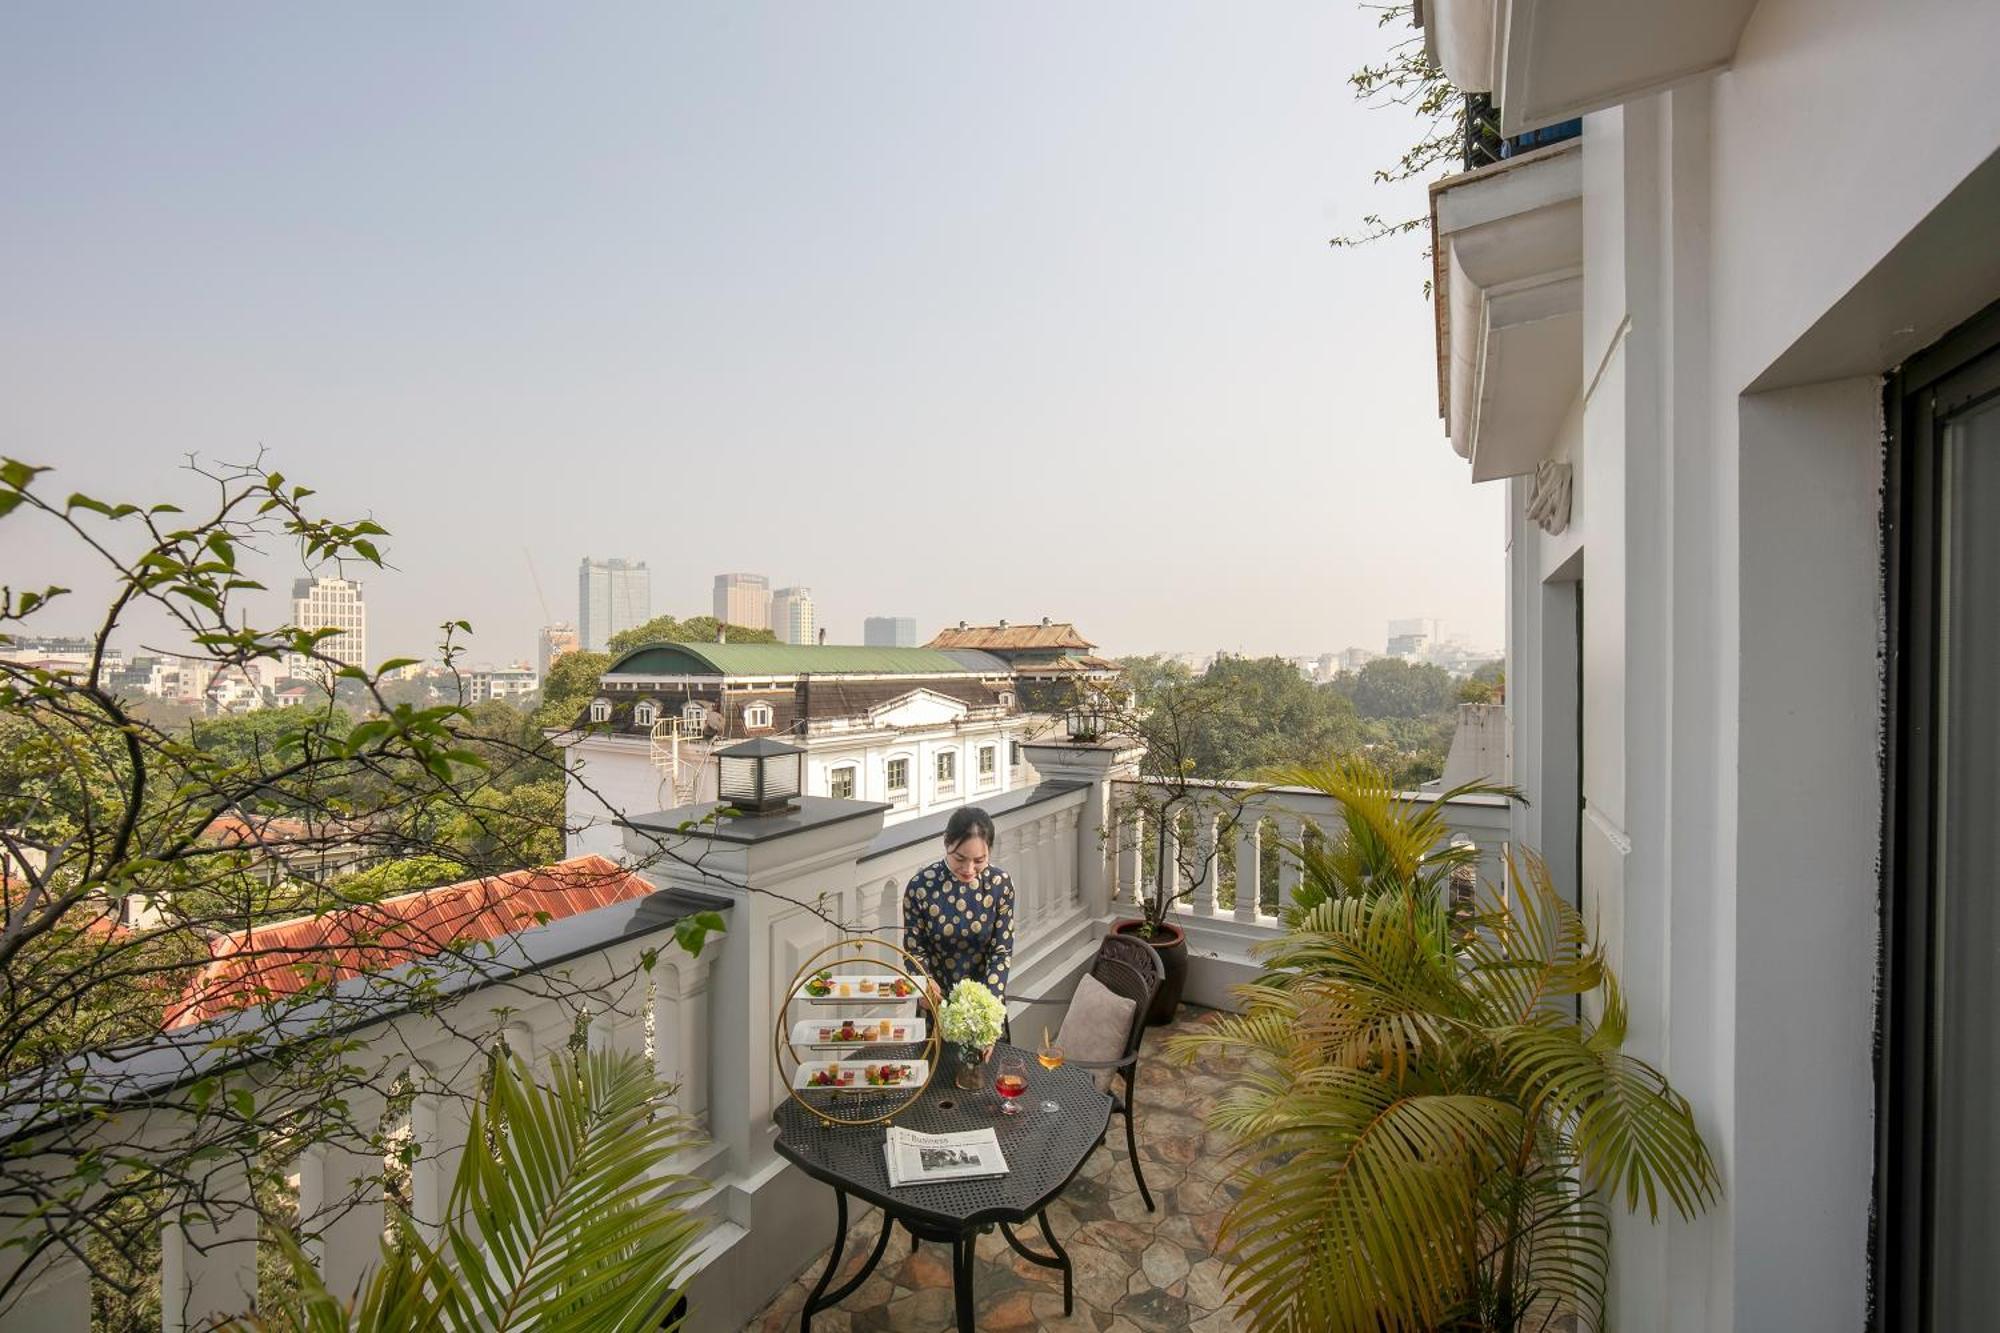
[1098, 1022]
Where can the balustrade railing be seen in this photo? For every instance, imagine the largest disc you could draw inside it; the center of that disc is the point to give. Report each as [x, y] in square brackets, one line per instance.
[1242, 868]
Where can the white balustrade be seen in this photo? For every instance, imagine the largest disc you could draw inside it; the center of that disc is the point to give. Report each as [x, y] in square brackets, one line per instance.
[1249, 868]
[1271, 824]
[1202, 868]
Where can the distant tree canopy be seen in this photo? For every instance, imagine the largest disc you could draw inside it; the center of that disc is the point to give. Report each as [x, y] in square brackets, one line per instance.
[696, 629]
[570, 684]
[1246, 715]
[1387, 688]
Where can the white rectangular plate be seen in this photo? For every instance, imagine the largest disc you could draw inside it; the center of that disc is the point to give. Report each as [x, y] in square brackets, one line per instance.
[902, 1029]
[920, 1070]
[847, 990]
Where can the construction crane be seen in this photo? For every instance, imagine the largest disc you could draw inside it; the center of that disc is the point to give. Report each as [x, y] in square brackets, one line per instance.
[547, 619]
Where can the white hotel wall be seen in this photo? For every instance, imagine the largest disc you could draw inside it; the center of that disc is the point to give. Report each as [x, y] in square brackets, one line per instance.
[1729, 546]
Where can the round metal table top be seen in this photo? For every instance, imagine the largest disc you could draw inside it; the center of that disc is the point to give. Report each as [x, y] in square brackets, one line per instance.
[1044, 1149]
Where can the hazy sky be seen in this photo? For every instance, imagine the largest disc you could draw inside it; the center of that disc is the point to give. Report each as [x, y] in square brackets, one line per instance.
[948, 311]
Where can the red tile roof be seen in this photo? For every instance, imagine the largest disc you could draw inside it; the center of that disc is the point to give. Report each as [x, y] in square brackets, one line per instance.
[1011, 638]
[285, 957]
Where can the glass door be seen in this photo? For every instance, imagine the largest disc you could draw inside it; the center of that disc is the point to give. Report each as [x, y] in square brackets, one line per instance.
[1938, 1164]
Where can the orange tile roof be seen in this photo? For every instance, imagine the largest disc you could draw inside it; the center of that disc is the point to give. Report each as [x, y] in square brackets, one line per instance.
[1011, 638]
[285, 957]
[276, 830]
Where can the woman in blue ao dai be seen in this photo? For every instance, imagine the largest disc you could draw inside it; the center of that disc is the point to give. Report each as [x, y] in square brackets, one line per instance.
[958, 913]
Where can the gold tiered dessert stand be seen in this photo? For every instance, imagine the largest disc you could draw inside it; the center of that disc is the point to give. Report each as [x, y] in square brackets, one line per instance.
[888, 960]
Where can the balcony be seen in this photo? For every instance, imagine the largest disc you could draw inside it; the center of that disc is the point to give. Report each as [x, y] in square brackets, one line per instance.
[1507, 245]
[705, 1022]
[1547, 61]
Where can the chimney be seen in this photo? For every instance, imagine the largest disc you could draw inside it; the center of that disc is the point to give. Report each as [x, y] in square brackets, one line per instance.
[1003, 624]
[822, 636]
[962, 624]
[1045, 622]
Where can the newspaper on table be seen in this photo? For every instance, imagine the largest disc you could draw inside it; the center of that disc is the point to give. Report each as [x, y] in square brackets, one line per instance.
[924, 1159]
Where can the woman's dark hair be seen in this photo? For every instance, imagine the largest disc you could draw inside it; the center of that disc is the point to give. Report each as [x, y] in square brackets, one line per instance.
[968, 821]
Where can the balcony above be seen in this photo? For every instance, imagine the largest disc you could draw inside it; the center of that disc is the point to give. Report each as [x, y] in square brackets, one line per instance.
[1549, 60]
[1507, 243]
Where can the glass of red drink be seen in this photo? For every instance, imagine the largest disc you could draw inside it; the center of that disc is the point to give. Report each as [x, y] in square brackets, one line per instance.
[1010, 1082]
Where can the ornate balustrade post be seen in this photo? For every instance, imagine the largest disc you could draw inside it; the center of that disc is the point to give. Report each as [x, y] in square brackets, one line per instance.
[1097, 764]
[208, 1255]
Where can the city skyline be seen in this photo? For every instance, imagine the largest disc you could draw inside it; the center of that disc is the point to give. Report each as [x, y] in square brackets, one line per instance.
[1152, 406]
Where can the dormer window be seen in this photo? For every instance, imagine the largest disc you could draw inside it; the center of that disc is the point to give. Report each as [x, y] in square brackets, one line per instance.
[694, 715]
[1006, 698]
[756, 716]
[643, 714]
[600, 710]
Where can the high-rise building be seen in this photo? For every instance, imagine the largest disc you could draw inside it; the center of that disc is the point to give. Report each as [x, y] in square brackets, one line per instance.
[611, 596]
[792, 614]
[889, 632]
[330, 604]
[743, 599]
[556, 640]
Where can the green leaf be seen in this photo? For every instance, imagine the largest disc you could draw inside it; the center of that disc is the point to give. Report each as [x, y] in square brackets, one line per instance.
[16, 474]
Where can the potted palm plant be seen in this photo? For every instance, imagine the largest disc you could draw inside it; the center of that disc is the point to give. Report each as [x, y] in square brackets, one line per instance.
[1438, 1117]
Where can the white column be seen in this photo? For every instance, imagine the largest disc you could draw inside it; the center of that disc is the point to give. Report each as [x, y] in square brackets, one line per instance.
[1131, 864]
[1291, 874]
[1168, 876]
[1248, 878]
[440, 1120]
[1203, 902]
[208, 1256]
[341, 1215]
[680, 1054]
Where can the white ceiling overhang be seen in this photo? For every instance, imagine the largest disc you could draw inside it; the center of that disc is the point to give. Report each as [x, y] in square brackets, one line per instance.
[1509, 253]
[1546, 61]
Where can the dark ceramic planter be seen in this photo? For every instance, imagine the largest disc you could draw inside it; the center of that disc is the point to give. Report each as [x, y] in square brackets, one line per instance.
[1171, 945]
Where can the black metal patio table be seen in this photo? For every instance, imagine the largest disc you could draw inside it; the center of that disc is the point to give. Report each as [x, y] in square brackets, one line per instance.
[1044, 1151]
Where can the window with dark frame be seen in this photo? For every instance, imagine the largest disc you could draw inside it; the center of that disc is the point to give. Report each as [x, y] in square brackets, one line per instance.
[897, 778]
[840, 783]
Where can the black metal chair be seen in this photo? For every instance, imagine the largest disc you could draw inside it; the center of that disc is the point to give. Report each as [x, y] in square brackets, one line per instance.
[1131, 968]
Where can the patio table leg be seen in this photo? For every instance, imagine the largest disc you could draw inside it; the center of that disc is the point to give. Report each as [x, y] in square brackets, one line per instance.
[1060, 1259]
[963, 1250]
[832, 1262]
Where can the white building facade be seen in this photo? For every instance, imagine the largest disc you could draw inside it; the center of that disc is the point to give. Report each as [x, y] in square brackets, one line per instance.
[743, 599]
[792, 615]
[1725, 352]
[331, 603]
[611, 596]
[508, 682]
[916, 730]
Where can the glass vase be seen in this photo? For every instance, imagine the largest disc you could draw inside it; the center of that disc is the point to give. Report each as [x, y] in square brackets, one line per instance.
[971, 1073]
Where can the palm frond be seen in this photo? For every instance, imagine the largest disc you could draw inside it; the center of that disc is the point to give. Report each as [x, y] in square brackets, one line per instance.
[1358, 1200]
[1632, 1131]
[573, 1226]
[561, 1216]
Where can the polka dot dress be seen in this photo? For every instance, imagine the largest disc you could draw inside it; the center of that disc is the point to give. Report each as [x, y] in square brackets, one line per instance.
[961, 930]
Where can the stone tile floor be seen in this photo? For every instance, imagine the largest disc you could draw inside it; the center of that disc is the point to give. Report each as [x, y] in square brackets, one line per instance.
[1135, 1271]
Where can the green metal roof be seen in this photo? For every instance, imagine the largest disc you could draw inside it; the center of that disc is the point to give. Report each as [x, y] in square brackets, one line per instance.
[781, 659]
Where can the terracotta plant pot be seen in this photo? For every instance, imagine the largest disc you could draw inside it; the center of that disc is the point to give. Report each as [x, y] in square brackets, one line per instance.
[1171, 945]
